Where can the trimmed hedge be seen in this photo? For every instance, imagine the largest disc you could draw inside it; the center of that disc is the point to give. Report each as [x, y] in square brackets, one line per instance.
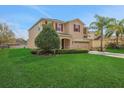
[59, 51]
[70, 51]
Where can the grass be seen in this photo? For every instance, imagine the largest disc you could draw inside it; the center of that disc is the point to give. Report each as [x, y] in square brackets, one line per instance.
[115, 50]
[19, 68]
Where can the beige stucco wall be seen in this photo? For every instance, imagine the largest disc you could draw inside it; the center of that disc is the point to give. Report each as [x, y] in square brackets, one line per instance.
[32, 35]
[66, 27]
[75, 35]
[96, 44]
[80, 45]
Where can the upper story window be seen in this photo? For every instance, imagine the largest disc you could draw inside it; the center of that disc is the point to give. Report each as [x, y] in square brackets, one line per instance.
[76, 28]
[59, 27]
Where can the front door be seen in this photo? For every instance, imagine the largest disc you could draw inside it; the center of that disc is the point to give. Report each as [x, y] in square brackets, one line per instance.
[62, 43]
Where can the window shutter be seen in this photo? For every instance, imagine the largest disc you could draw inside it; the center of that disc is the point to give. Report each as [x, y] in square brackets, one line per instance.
[74, 27]
[62, 27]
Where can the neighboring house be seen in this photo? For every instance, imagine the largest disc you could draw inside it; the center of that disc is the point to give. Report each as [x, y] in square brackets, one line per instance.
[20, 43]
[72, 34]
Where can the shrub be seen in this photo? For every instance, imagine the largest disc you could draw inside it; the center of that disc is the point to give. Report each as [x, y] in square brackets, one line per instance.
[70, 51]
[42, 52]
[58, 51]
[47, 39]
[113, 45]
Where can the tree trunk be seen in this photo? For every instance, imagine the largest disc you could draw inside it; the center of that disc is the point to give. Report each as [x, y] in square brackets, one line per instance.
[101, 47]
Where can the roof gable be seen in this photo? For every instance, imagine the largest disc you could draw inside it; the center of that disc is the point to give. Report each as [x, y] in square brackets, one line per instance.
[48, 19]
[56, 20]
[77, 19]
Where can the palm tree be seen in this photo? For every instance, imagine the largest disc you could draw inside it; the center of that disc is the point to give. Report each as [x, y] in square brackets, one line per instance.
[121, 23]
[100, 25]
[115, 27]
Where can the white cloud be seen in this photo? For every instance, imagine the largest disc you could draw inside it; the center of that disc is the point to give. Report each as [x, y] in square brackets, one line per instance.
[41, 11]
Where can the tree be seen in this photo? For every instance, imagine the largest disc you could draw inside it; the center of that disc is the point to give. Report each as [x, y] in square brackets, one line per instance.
[48, 38]
[6, 35]
[100, 25]
[116, 27]
[122, 25]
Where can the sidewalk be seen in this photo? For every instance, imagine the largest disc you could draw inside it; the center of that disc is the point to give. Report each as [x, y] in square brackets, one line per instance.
[118, 55]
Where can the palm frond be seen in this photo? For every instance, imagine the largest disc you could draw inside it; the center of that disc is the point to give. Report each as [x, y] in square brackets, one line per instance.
[109, 33]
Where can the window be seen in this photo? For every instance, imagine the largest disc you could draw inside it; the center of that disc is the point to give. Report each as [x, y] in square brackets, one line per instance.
[76, 28]
[59, 27]
[85, 36]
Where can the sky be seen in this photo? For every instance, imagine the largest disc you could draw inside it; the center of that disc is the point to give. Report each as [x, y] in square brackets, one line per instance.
[21, 18]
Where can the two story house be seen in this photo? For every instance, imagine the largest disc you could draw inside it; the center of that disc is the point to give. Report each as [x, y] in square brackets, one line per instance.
[73, 34]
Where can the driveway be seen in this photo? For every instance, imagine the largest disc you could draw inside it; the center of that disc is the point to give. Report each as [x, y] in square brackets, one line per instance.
[118, 55]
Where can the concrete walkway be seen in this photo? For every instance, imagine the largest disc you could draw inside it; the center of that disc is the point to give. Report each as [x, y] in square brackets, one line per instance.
[118, 55]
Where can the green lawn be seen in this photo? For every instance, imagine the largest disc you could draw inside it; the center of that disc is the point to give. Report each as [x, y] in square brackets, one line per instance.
[116, 50]
[19, 68]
